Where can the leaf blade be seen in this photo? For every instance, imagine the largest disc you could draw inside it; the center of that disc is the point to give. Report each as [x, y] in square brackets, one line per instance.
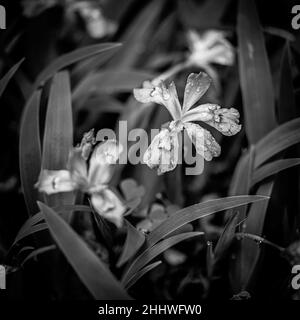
[255, 74]
[58, 134]
[70, 58]
[30, 152]
[145, 257]
[96, 277]
[133, 243]
[8, 76]
[197, 211]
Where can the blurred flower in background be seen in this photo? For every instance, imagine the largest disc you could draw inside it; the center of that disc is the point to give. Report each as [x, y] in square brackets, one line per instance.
[92, 179]
[96, 24]
[208, 48]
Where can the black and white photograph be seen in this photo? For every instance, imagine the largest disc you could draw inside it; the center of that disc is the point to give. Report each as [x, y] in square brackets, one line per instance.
[150, 155]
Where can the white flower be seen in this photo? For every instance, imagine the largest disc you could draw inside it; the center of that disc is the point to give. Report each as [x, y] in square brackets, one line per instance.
[97, 25]
[210, 47]
[162, 154]
[92, 179]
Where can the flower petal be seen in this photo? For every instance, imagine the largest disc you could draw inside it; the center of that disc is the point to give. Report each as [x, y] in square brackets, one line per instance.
[55, 181]
[100, 170]
[210, 47]
[109, 206]
[196, 86]
[162, 95]
[78, 168]
[87, 143]
[203, 141]
[163, 152]
[224, 120]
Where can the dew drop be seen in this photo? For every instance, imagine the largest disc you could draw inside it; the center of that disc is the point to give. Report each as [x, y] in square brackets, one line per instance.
[166, 96]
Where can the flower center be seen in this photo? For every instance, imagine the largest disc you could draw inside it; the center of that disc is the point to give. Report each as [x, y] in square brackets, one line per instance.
[176, 125]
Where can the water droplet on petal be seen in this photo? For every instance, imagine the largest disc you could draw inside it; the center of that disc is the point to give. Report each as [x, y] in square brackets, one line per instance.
[166, 96]
[152, 93]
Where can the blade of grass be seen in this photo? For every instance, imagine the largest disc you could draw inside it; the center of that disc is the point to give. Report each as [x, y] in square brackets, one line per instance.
[144, 258]
[197, 211]
[279, 139]
[83, 68]
[255, 75]
[134, 240]
[32, 221]
[7, 77]
[210, 258]
[58, 135]
[226, 237]
[110, 81]
[259, 240]
[93, 273]
[30, 152]
[72, 57]
[287, 106]
[254, 224]
[141, 273]
[272, 168]
[33, 229]
[37, 252]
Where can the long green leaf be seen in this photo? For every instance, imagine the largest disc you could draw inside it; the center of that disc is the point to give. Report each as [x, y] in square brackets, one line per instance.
[144, 258]
[241, 180]
[279, 139]
[35, 228]
[89, 268]
[37, 252]
[272, 168]
[254, 224]
[10, 73]
[58, 135]
[256, 79]
[26, 229]
[226, 237]
[287, 105]
[70, 58]
[111, 81]
[197, 211]
[141, 273]
[30, 152]
[133, 243]
[83, 68]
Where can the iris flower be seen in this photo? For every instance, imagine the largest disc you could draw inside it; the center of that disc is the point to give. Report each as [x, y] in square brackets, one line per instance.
[209, 48]
[92, 179]
[206, 49]
[162, 154]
